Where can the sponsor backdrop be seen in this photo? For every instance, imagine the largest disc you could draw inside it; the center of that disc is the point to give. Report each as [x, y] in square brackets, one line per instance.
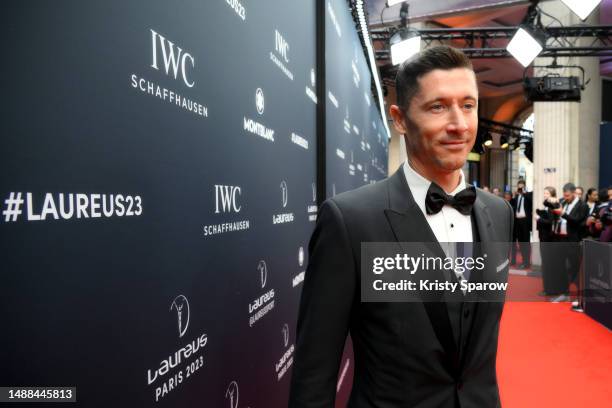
[158, 193]
[357, 145]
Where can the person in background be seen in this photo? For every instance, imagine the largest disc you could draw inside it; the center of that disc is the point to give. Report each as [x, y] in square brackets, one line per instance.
[507, 196]
[579, 193]
[600, 225]
[592, 202]
[545, 219]
[497, 192]
[567, 229]
[522, 205]
[485, 188]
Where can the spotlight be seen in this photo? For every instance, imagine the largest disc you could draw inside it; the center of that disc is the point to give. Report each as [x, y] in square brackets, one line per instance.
[524, 47]
[582, 8]
[503, 141]
[488, 140]
[404, 45]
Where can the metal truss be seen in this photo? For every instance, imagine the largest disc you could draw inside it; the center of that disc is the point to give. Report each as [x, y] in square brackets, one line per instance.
[490, 42]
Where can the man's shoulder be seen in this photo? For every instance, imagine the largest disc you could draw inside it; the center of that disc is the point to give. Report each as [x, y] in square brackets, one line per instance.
[491, 200]
[367, 197]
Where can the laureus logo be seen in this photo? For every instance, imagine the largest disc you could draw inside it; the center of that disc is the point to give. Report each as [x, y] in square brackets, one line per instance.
[286, 334]
[301, 256]
[232, 394]
[283, 187]
[259, 101]
[181, 305]
[263, 272]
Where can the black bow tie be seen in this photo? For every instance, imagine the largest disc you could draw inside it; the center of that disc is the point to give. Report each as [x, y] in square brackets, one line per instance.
[462, 201]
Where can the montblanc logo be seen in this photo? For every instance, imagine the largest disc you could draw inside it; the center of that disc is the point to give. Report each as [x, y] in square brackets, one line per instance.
[284, 193]
[255, 127]
[181, 305]
[232, 394]
[176, 60]
[260, 102]
[226, 198]
[286, 334]
[263, 272]
[301, 256]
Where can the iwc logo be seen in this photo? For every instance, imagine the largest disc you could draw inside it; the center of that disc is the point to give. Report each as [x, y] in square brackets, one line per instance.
[181, 305]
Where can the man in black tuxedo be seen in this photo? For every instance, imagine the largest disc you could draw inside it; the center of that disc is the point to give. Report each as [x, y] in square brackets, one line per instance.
[568, 231]
[522, 205]
[411, 354]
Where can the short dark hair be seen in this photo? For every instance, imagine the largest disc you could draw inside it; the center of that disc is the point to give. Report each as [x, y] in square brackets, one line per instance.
[438, 57]
[569, 187]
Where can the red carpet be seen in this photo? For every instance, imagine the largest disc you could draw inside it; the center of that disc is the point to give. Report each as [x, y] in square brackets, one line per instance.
[550, 356]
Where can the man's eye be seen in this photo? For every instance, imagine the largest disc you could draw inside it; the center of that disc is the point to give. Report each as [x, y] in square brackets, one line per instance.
[469, 106]
[437, 107]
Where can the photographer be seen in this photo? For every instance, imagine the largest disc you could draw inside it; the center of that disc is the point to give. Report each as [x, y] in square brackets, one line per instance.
[546, 218]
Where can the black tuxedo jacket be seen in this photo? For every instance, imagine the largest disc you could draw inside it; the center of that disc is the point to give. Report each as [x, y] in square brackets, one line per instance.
[527, 206]
[575, 220]
[405, 353]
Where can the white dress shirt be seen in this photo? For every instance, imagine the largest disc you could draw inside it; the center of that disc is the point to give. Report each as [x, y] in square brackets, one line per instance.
[520, 206]
[449, 225]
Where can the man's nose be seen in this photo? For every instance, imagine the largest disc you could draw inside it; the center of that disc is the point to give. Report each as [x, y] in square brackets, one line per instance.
[457, 122]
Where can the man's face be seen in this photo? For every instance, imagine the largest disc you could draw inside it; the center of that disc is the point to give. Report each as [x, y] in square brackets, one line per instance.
[520, 187]
[568, 195]
[441, 119]
[579, 192]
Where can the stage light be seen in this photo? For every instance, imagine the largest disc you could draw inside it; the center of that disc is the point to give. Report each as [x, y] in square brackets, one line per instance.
[582, 8]
[488, 140]
[524, 47]
[503, 141]
[403, 46]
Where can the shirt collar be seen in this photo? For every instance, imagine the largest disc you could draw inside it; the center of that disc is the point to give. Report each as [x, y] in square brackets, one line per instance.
[419, 185]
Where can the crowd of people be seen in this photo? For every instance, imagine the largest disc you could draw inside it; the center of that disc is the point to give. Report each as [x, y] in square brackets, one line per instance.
[562, 224]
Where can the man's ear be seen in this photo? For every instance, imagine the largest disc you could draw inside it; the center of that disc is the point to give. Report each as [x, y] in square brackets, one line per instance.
[399, 120]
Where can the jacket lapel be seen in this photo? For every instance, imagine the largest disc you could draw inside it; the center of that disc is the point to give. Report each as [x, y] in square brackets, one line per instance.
[409, 225]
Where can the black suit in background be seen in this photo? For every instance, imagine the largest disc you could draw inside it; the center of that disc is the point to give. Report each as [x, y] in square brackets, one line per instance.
[406, 354]
[545, 224]
[522, 226]
[567, 250]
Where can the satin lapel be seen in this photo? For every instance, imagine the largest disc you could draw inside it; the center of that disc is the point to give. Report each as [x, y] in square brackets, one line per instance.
[487, 236]
[409, 225]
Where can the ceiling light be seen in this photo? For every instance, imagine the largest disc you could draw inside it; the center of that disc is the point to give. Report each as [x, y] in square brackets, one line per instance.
[404, 48]
[582, 8]
[503, 142]
[524, 47]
